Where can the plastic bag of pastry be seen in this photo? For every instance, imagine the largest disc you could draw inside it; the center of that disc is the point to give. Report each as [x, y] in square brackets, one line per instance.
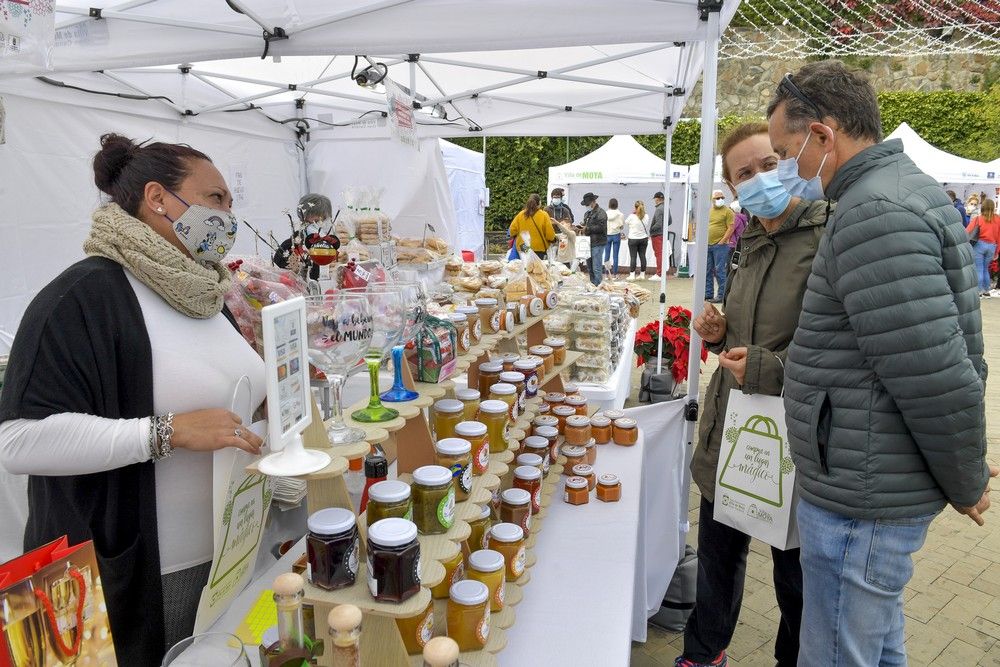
[453, 266]
[437, 245]
[257, 283]
[490, 267]
[496, 281]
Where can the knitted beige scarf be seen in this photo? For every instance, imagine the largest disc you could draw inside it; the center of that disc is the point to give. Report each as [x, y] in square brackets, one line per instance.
[193, 289]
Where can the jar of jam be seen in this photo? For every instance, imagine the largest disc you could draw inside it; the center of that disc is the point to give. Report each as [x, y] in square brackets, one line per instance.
[577, 430]
[475, 325]
[578, 402]
[529, 478]
[591, 452]
[508, 539]
[561, 412]
[625, 431]
[470, 402]
[574, 456]
[554, 398]
[545, 352]
[587, 472]
[469, 615]
[489, 375]
[528, 370]
[388, 498]
[600, 428]
[539, 446]
[576, 491]
[550, 433]
[476, 434]
[454, 572]
[558, 346]
[433, 500]
[570, 389]
[463, 339]
[516, 378]
[393, 560]
[613, 414]
[447, 413]
[332, 548]
[609, 488]
[543, 420]
[455, 454]
[480, 529]
[515, 507]
[489, 315]
[486, 566]
[507, 359]
[418, 630]
[494, 415]
[501, 391]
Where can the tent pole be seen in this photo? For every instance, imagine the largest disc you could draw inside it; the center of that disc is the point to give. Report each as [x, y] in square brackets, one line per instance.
[664, 258]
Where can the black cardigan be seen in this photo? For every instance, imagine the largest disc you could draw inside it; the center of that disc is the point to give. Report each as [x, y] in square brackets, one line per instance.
[82, 347]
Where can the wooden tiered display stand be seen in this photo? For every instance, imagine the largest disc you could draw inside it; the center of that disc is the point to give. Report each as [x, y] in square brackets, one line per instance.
[381, 642]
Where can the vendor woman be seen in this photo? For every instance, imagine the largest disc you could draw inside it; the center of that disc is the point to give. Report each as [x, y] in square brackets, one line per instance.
[119, 386]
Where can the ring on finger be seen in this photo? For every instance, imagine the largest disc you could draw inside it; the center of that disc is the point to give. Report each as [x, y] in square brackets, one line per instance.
[238, 433]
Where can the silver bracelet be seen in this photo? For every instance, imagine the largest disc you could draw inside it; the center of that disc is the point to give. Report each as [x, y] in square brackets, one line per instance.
[162, 430]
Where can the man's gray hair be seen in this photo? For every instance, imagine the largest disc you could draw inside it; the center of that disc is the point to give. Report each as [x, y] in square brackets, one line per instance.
[838, 92]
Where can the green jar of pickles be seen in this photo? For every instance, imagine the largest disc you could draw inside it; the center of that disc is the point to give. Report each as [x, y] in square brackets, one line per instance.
[389, 498]
[433, 499]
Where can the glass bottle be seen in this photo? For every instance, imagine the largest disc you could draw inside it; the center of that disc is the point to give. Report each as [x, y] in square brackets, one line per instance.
[441, 652]
[345, 629]
[288, 591]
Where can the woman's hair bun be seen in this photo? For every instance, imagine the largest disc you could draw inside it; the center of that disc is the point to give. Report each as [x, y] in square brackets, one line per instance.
[116, 151]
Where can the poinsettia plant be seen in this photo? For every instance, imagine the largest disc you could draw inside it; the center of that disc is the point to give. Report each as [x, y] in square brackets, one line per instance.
[676, 335]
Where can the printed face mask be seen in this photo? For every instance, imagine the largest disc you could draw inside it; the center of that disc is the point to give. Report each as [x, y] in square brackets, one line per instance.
[764, 195]
[207, 233]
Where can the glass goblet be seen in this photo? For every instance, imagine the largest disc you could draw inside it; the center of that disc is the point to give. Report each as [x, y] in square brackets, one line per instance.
[415, 300]
[389, 319]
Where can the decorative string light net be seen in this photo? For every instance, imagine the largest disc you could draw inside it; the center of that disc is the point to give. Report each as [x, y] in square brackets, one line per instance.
[790, 29]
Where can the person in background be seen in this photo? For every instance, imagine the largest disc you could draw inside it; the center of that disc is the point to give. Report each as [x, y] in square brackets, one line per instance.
[656, 231]
[984, 249]
[740, 221]
[595, 225]
[885, 378]
[558, 209]
[720, 228]
[537, 224]
[959, 206]
[616, 223]
[637, 231]
[566, 244]
[972, 206]
[118, 389]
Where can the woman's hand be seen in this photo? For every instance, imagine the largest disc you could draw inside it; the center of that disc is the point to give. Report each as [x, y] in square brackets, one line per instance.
[209, 430]
[736, 361]
[710, 324]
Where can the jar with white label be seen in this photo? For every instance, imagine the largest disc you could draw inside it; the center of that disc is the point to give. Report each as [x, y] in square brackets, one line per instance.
[475, 325]
[463, 337]
[508, 539]
[528, 478]
[469, 614]
[393, 560]
[529, 370]
[332, 548]
[433, 499]
[476, 433]
[486, 566]
[489, 315]
[515, 507]
[455, 454]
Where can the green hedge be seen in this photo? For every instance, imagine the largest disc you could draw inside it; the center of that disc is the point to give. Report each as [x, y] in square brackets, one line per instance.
[966, 124]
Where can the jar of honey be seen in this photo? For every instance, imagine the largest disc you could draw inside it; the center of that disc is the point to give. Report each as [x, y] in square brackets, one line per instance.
[454, 572]
[447, 413]
[561, 412]
[475, 325]
[613, 414]
[558, 345]
[470, 402]
[529, 478]
[515, 507]
[393, 560]
[469, 615]
[463, 338]
[418, 630]
[507, 359]
[576, 491]
[528, 370]
[600, 428]
[479, 529]
[544, 408]
[545, 352]
[508, 539]
[539, 446]
[625, 431]
[388, 498]
[591, 452]
[543, 420]
[489, 375]
[486, 566]
[554, 398]
[533, 460]
[574, 456]
[550, 433]
[489, 315]
[577, 430]
[433, 499]
[609, 488]
[571, 389]
[501, 391]
[587, 472]
[494, 415]
[476, 434]
[455, 454]
[516, 378]
[578, 402]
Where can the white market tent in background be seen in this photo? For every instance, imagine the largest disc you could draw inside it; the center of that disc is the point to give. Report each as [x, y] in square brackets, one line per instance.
[952, 171]
[466, 172]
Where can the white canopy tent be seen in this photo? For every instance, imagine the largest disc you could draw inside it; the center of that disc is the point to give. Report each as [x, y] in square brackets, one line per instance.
[466, 172]
[950, 170]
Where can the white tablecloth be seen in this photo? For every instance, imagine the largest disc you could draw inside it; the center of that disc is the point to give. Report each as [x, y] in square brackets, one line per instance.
[613, 394]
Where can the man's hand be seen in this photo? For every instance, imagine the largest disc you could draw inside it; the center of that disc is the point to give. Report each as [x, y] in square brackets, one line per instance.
[976, 513]
[736, 361]
[710, 324]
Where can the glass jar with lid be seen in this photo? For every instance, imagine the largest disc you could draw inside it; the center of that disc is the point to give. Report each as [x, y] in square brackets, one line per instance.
[508, 539]
[455, 454]
[529, 478]
[501, 391]
[561, 412]
[489, 375]
[577, 430]
[539, 369]
[454, 572]
[418, 630]
[587, 472]
[543, 420]
[469, 615]
[515, 507]
[534, 304]
[550, 433]
[571, 389]
[516, 378]
[609, 488]
[576, 491]
[507, 359]
[475, 325]
[393, 560]
[486, 566]
[625, 431]
[479, 529]
[574, 456]
[533, 460]
[528, 369]
[578, 402]
[591, 452]
[388, 498]
[613, 414]
[433, 499]
[476, 433]
[470, 402]
[332, 548]
[558, 345]
[463, 337]
[554, 398]
[489, 315]
[447, 413]
[600, 428]
[494, 415]
[545, 352]
[514, 312]
[539, 446]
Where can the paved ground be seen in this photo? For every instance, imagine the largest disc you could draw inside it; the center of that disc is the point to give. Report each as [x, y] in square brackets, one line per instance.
[953, 600]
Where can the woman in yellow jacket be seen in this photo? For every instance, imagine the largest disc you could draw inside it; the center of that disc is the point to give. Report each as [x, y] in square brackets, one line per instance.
[535, 222]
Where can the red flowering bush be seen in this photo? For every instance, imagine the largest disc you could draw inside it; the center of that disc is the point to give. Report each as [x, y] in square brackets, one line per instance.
[676, 335]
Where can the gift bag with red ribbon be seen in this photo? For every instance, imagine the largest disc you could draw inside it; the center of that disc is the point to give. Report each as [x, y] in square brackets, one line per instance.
[52, 609]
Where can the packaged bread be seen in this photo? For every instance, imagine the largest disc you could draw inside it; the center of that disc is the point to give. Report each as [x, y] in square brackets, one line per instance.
[466, 284]
[437, 245]
[496, 281]
[490, 267]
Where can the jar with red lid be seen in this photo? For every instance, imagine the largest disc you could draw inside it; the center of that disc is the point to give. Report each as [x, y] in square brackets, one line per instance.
[528, 369]
[587, 472]
[574, 456]
[625, 431]
[609, 488]
[576, 491]
[600, 428]
[515, 508]
[543, 420]
[577, 430]
[578, 402]
[517, 379]
[529, 478]
[561, 412]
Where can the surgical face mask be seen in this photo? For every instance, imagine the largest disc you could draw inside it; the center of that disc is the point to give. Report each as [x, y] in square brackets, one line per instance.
[788, 174]
[207, 233]
[764, 195]
[719, 202]
[556, 201]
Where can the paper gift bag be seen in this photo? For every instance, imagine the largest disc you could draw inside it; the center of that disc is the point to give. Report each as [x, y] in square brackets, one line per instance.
[52, 609]
[755, 477]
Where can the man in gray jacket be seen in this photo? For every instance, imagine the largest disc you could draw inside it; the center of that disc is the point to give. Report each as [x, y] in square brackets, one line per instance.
[885, 378]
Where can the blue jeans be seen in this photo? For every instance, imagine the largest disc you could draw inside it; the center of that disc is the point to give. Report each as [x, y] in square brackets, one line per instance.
[611, 252]
[718, 261]
[853, 575]
[596, 263]
[983, 253]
